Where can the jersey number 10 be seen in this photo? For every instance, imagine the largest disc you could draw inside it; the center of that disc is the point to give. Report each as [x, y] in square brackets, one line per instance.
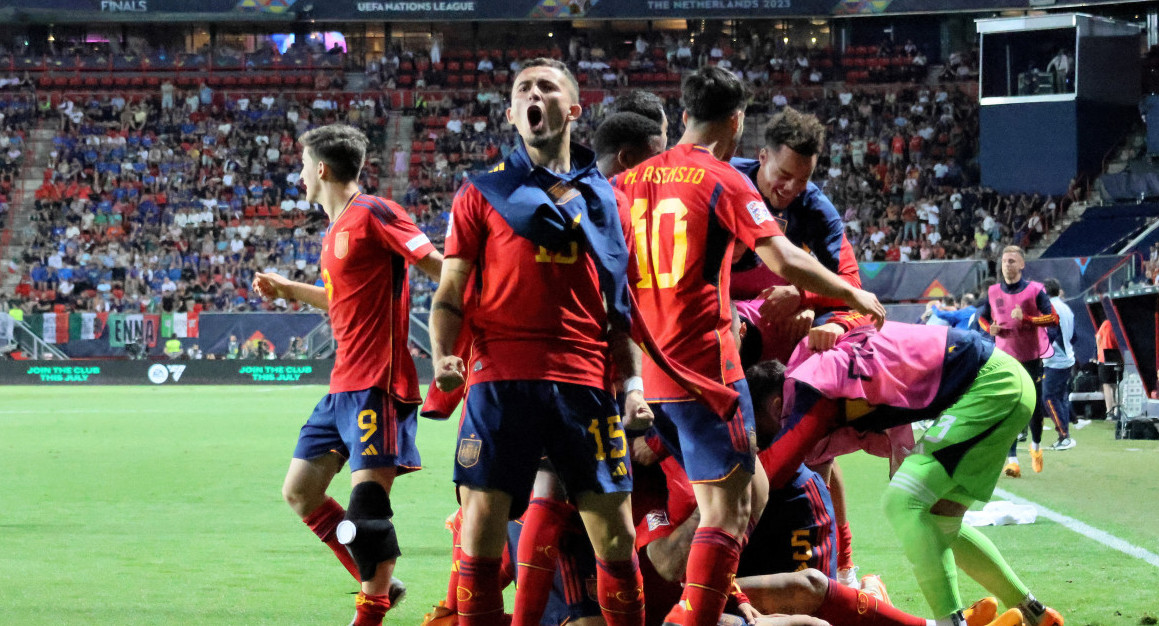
[676, 239]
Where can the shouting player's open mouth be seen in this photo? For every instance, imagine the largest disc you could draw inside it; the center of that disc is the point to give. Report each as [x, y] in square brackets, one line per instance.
[535, 118]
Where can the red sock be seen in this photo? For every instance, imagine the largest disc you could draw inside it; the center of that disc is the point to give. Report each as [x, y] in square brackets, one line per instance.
[846, 605]
[323, 520]
[621, 591]
[543, 525]
[506, 569]
[480, 597]
[369, 609]
[711, 566]
[456, 528]
[844, 546]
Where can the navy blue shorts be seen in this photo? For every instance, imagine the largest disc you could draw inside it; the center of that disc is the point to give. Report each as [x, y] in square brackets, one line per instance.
[797, 531]
[368, 427]
[573, 593]
[708, 447]
[509, 425]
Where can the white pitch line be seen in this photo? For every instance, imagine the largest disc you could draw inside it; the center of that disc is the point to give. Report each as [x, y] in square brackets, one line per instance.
[1086, 530]
[73, 411]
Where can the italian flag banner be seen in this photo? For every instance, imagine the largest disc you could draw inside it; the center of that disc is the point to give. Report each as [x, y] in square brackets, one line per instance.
[179, 324]
[51, 327]
[83, 326]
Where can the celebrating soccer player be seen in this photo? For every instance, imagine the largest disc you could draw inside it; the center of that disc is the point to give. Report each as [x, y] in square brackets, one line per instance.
[369, 417]
[782, 172]
[978, 395]
[540, 239]
[687, 207]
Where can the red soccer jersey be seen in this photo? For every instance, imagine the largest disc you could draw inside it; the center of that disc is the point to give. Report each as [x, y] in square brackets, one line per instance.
[687, 208]
[365, 255]
[538, 315]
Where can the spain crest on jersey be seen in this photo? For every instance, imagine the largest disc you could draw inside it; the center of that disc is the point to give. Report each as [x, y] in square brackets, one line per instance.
[469, 450]
[341, 244]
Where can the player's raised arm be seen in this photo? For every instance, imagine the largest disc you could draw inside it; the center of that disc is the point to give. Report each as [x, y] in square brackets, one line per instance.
[447, 321]
[801, 269]
[431, 265]
[272, 286]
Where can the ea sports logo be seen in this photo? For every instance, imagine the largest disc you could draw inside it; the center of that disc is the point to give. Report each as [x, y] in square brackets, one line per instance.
[158, 374]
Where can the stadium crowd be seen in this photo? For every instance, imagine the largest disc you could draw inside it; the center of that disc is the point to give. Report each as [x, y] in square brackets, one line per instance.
[172, 200]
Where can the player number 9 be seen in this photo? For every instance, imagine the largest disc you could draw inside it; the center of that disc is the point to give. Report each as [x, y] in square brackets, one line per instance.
[368, 421]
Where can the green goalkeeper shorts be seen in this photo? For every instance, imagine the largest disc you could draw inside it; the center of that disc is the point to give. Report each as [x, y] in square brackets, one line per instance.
[970, 440]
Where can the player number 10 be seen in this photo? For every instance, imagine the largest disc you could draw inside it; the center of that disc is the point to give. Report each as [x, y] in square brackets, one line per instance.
[616, 439]
[648, 257]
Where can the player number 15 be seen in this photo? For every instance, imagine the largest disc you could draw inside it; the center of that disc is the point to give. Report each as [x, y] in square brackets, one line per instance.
[616, 440]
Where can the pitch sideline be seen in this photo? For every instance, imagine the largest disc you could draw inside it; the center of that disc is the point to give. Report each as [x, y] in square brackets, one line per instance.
[1086, 530]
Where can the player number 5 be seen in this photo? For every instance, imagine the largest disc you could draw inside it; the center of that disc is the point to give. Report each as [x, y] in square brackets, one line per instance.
[648, 257]
[802, 548]
[616, 439]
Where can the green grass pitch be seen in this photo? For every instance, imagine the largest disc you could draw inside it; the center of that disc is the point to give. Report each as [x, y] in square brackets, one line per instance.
[159, 505]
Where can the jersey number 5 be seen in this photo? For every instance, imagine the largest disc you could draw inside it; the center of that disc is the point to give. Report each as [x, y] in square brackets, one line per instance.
[675, 239]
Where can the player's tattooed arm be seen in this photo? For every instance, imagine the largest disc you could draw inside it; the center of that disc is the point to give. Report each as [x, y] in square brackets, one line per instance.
[447, 306]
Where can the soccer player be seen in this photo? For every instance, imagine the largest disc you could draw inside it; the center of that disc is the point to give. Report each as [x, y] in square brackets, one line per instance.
[687, 206]
[625, 139]
[369, 417]
[782, 172]
[622, 140]
[779, 579]
[760, 339]
[539, 237]
[872, 379]
[1018, 314]
[1057, 367]
[647, 104]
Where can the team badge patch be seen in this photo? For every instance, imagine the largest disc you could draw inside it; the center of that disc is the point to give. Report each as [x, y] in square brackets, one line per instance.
[468, 454]
[341, 244]
[562, 193]
[759, 212]
[656, 519]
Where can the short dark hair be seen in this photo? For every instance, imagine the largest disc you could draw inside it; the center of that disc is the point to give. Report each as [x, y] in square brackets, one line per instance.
[640, 102]
[712, 94]
[801, 132]
[949, 300]
[751, 345]
[621, 130]
[342, 148]
[555, 65]
[765, 380]
[1052, 287]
